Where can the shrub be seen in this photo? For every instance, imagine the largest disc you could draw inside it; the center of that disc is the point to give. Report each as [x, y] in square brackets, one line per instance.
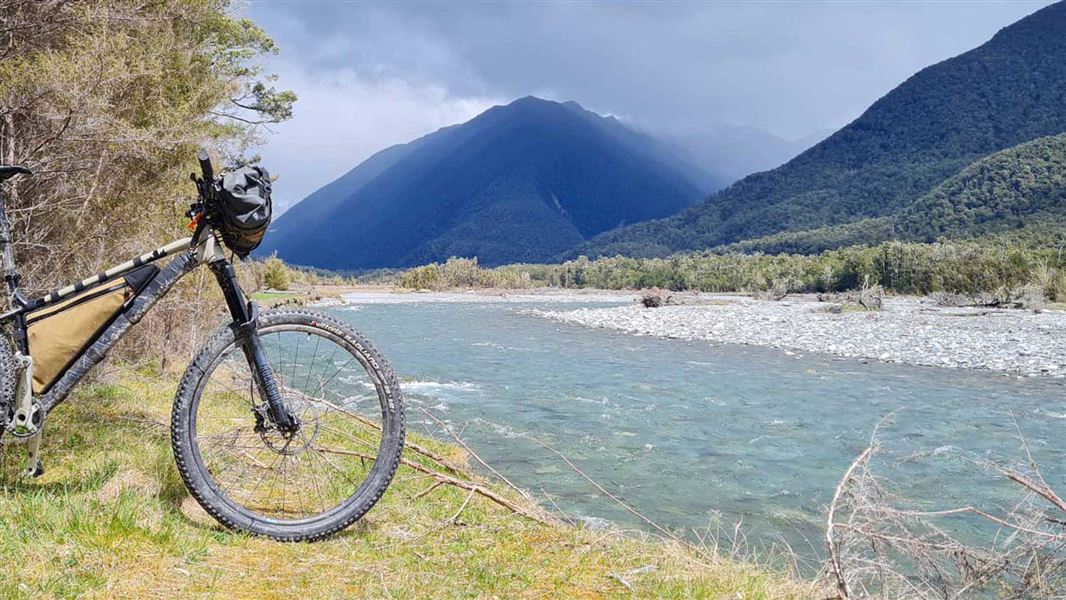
[427, 277]
[655, 297]
[275, 274]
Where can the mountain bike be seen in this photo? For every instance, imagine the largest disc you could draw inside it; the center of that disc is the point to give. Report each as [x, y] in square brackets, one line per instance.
[287, 424]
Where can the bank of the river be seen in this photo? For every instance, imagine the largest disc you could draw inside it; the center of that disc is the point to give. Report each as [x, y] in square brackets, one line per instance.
[335, 295]
[908, 330]
[111, 519]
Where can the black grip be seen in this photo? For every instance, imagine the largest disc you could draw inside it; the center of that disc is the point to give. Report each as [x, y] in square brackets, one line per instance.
[205, 166]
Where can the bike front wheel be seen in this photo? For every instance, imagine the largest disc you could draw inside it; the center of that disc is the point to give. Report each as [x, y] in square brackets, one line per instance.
[298, 486]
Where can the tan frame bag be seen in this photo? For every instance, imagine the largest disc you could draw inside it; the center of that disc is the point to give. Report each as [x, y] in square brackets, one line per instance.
[59, 333]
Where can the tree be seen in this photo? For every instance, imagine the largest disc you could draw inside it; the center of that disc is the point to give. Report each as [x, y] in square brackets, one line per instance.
[107, 102]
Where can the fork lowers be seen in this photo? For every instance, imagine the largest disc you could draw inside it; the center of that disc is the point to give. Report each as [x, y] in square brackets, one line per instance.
[245, 320]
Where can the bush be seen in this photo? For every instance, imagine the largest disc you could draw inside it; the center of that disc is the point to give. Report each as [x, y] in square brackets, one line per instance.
[423, 278]
[275, 274]
[965, 267]
[108, 101]
[654, 298]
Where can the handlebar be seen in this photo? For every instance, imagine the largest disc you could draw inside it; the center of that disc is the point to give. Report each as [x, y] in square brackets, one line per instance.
[205, 166]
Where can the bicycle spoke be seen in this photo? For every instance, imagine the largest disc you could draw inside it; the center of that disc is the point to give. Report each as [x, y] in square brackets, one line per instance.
[311, 368]
[319, 466]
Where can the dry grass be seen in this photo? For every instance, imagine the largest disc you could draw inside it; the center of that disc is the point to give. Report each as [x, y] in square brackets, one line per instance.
[111, 519]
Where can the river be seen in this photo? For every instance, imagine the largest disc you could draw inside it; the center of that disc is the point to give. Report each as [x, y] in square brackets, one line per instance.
[695, 435]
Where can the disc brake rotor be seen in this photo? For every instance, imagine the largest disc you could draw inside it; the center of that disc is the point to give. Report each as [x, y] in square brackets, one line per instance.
[297, 442]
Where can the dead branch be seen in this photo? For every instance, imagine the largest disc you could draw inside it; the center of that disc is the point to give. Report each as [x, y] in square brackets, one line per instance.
[459, 483]
[830, 545]
[408, 444]
[462, 507]
[603, 490]
[470, 451]
[887, 549]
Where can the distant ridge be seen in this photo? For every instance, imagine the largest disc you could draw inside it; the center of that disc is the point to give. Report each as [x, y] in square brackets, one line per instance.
[523, 182]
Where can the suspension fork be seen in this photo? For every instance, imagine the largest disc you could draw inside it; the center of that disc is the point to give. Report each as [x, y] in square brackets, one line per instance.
[245, 321]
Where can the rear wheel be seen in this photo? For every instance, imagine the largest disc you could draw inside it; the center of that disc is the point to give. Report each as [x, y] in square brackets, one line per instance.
[301, 486]
[9, 374]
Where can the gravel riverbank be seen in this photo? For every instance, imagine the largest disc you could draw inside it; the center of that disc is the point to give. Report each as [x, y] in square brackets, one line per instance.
[539, 295]
[907, 330]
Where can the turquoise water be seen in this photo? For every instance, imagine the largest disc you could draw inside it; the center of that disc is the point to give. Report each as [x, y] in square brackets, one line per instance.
[693, 434]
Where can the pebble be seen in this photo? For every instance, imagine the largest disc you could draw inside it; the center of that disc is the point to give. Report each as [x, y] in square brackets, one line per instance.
[907, 330]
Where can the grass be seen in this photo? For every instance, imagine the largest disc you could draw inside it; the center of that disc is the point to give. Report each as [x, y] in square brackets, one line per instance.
[111, 519]
[275, 296]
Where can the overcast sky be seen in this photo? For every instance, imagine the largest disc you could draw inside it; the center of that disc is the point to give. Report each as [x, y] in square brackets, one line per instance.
[371, 75]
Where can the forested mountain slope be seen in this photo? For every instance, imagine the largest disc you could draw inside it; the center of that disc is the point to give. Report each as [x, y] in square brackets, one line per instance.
[519, 183]
[1010, 90]
[1011, 189]
[1020, 188]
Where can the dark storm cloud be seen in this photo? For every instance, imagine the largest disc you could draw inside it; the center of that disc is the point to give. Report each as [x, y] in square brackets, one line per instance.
[682, 68]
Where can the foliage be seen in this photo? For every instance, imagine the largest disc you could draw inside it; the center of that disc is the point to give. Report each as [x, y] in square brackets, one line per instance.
[464, 272]
[427, 277]
[1016, 194]
[1001, 94]
[107, 101]
[964, 267]
[1005, 191]
[812, 241]
[275, 275]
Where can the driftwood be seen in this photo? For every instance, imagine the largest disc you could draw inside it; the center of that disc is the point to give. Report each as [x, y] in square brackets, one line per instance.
[655, 297]
[1021, 297]
[878, 547]
[444, 479]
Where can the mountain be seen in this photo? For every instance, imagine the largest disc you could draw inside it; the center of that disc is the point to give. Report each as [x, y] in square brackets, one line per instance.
[1022, 187]
[1010, 90]
[1008, 190]
[523, 182]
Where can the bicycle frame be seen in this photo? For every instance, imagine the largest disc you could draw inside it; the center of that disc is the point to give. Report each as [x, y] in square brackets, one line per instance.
[189, 253]
[137, 307]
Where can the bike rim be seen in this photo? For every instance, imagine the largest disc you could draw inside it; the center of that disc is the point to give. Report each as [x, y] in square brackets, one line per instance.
[344, 410]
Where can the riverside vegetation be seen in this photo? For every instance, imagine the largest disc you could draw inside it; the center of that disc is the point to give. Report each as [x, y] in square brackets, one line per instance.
[990, 271]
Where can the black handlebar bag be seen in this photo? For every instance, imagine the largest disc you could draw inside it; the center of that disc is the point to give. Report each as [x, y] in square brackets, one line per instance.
[244, 209]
